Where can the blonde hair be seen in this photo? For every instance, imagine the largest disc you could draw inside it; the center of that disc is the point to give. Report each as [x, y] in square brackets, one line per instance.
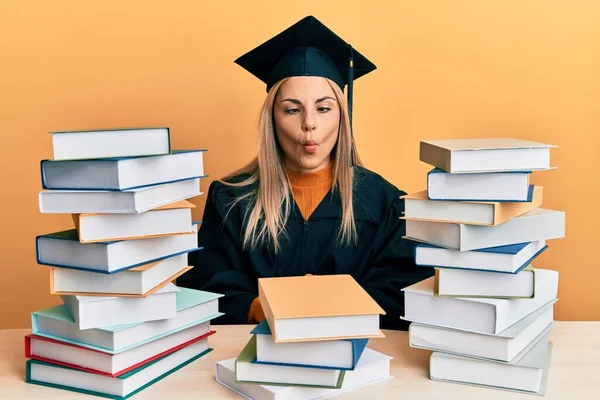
[271, 200]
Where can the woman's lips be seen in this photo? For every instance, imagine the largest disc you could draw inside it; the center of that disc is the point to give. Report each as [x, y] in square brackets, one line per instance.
[310, 146]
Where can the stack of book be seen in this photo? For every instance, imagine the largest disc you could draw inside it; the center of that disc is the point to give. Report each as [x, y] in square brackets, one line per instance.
[487, 313]
[313, 342]
[122, 325]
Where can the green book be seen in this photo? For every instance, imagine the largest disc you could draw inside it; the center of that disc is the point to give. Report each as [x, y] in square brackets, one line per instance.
[119, 388]
[247, 370]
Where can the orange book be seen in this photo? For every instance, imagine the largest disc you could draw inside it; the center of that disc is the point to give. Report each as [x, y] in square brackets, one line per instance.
[167, 220]
[319, 307]
[141, 281]
[419, 207]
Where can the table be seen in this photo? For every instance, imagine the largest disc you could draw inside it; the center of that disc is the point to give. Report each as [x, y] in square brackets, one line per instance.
[574, 370]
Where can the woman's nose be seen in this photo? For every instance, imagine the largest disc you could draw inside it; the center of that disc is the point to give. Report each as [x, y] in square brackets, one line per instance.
[308, 124]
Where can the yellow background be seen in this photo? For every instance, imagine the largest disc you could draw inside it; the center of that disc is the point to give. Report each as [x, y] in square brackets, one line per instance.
[446, 69]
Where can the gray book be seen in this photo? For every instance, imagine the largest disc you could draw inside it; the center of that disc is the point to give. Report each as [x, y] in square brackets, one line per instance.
[528, 373]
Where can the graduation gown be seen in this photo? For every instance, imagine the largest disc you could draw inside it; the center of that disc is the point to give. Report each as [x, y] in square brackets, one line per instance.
[382, 262]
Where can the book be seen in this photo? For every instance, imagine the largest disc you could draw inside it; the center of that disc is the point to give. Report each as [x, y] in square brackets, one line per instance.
[335, 354]
[140, 281]
[373, 367]
[481, 315]
[419, 207]
[97, 311]
[491, 186]
[125, 173]
[116, 202]
[503, 346]
[466, 283]
[194, 307]
[103, 143]
[504, 259]
[346, 312]
[63, 249]
[538, 224]
[170, 219]
[247, 371]
[97, 362]
[485, 155]
[119, 388]
[528, 374]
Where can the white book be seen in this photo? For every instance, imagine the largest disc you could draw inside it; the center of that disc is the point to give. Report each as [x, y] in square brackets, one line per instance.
[194, 307]
[504, 346]
[117, 202]
[481, 315]
[538, 224]
[486, 155]
[373, 367]
[505, 259]
[114, 364]
[171, 219]
[42, 373]
[106, 143]
[137, 281]
[122, 173]
[63, 249]
[492, 186]
[98, 311]
[467, 283]
[528, 374]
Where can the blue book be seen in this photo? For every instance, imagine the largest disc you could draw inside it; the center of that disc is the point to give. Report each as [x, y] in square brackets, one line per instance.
[122, 173]
[509, 259]
[341, 354]
[63, 249]
[194, 307]
[509, 186]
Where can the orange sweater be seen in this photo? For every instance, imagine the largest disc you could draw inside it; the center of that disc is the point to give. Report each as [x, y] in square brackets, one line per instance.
[308, 190]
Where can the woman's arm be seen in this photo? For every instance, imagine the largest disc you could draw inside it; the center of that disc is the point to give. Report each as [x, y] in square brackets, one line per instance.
[221, 266]
[392, 267]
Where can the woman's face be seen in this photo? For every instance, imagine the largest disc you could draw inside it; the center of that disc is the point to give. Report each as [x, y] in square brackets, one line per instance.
[307, 119]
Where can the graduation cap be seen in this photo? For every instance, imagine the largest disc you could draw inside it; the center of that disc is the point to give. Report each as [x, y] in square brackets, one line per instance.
[307, 48]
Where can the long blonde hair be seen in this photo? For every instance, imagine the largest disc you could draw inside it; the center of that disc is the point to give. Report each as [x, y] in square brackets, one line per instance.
[271, 200]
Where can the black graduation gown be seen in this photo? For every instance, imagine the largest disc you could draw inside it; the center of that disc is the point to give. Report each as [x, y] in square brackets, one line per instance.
[382, 261]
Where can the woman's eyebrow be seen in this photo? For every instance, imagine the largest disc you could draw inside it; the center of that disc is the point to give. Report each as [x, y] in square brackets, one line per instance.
[296, 101]
[324, 98]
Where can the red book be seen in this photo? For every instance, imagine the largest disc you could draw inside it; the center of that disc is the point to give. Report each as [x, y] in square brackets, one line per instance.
[112, 365]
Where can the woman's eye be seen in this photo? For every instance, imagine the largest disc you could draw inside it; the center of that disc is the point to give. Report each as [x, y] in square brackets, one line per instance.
[323, 109]
[292, 110]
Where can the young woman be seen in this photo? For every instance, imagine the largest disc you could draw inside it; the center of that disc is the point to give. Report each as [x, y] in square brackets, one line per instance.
[305, 204]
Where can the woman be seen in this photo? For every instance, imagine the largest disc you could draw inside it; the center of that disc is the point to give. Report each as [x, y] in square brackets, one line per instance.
[304, 205]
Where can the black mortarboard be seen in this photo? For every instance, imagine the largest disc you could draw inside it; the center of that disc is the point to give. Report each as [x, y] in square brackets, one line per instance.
[307, 48]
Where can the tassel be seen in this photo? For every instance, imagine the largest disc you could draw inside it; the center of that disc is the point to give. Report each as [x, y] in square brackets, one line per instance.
[350, 90]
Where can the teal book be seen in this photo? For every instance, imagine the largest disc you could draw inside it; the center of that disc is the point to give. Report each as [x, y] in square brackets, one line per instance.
[266, 374]
[121, 387]
[193, 307]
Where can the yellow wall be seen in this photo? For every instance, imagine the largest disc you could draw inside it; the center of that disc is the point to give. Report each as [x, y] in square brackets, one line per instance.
[446, 69]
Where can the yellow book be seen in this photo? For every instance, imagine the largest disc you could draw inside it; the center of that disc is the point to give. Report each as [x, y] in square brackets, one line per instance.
[419, 207]
[319, 307]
